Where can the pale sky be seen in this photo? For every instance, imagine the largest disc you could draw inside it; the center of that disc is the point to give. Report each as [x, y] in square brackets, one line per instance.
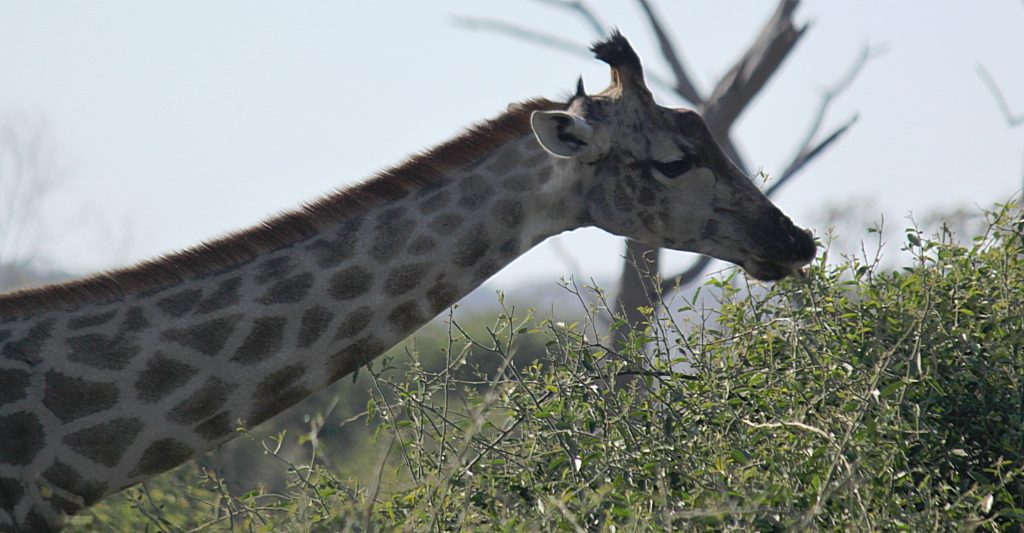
[178, 121]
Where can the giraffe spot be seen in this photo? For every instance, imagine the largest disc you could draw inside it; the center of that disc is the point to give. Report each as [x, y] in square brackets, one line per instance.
[180, 303]
[225, 295]
[441, 295]
[329, 253]
[421, 245]
[28, 349]
[13, 384]
[280, 379]
[596, 201]
[288, 290]
[393, 230]
[11, 492]
[647, 197]
[709, 230]
[162, 455]
[277, 392]
[621, 199]
[162, 376]
[535, 159]
[392, 215]
[474, 192]
[134, 320]
[21, 438]
[274, 269]
[87, 321]
[445, 223]
[488, 268]
[70, 398]
[269, 406]
[106, 442]
[509, 212]
[405, 278]
[264, 340]
[64, 476]
[629, 223]
[208, 337]
[101, 351]
[349, 283]
[35, 521]
[407, 316]
[4, 335]
[472, 246]
[216, 426]
[509, 249]
[354, 323]
[353, 356]
[434, 202]
[506, 160]
[665, 217]
[314, 323]
[518, 183]
[203, 403]
[544, 175]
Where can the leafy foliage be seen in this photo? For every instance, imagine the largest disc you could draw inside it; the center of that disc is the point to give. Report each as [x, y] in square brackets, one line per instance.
[856, 399]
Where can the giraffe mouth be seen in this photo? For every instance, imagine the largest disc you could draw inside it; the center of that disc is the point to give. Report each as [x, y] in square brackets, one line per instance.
[764, 270]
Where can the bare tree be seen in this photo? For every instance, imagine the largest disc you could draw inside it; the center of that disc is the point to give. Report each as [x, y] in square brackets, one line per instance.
[29, 171]
[1013, 120]
[639, 284]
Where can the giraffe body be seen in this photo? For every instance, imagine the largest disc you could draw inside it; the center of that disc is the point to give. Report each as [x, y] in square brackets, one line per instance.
[107, 381]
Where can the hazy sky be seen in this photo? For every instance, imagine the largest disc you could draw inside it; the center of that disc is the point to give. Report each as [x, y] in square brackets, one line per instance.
[178, 121]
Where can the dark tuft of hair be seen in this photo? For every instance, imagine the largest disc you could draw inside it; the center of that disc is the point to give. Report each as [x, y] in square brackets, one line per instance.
[617, 52]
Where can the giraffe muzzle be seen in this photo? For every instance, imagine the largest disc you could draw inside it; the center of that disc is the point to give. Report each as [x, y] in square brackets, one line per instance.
[785, 257]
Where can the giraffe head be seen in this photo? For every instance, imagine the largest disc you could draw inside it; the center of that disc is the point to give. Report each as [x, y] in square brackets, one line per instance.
[657, 175]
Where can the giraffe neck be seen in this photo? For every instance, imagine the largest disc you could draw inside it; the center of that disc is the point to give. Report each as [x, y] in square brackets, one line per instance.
[102, 395]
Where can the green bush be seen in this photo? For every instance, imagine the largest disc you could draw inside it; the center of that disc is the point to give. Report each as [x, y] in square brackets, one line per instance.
[857, 399]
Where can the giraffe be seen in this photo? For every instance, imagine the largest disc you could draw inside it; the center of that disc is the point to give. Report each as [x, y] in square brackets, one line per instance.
[109, 380]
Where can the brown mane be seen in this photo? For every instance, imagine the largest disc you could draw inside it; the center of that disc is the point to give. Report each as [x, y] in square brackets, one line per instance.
[298, 224]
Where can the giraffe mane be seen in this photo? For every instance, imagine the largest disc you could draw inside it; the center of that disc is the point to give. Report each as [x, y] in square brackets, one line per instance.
[420, 170]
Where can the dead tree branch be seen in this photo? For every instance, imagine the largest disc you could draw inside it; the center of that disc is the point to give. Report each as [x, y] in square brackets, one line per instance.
[584, 11]
[557, 43]
[1012, 120]
[520, 32]
[684, 86]
[808, 149]
[737, 88]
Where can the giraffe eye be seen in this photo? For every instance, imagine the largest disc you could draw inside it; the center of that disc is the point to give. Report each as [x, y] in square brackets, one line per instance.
[673, 169]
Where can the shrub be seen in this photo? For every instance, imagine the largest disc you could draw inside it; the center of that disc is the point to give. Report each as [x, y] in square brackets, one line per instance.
[856, 399]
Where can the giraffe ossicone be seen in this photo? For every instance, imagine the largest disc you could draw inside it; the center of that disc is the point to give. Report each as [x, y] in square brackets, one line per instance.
[112, 379]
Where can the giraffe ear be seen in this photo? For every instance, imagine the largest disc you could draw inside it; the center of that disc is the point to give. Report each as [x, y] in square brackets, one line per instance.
[561, 133]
